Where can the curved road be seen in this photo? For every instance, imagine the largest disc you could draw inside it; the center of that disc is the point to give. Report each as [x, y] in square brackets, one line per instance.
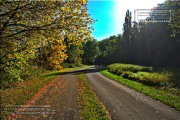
[121, 102]
[61, 95]
[124, 103]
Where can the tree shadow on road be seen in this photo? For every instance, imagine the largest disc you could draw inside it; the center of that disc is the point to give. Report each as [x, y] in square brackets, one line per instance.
[75, 72]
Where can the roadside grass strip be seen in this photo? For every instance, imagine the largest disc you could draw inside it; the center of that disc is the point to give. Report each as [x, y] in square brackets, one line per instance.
[22, 92]
[156, 93]
[91, 107]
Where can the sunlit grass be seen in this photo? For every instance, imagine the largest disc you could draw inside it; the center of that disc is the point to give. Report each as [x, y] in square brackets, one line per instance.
[91, 108]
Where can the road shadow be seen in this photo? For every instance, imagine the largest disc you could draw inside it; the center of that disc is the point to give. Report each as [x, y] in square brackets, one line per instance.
[76, 72]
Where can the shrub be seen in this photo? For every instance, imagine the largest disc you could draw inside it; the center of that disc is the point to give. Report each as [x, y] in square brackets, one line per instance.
[65, 65]
[8, 77]
[114, 68]
[12, 75]
[127, 74]
[145, 75]
[120, 72]
[72, 65]
[147, 69]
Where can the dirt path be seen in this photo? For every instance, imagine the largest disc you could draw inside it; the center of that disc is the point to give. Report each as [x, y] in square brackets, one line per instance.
[126, 104]
[61, 95]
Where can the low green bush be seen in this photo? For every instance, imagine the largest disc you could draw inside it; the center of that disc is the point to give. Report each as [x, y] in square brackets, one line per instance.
[159, 79]
[146, 75]
[72, 65]
[12, 75]
[65, 65]
[127, 67]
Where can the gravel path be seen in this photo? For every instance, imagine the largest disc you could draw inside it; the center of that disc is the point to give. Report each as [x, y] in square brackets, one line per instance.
[61, 95]
[124, 103]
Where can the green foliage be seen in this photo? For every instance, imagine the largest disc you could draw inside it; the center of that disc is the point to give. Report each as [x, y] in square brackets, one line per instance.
[145, 43]
[175, 12]
[91, 51]
[146, 75]
[13, 74]
[65, 65]
[160, 79]
[114, 68]
[127, 27]
[70, 65]
[108, 49]
[91, 108]
[37, 33]
[166, 96]
[74, 53]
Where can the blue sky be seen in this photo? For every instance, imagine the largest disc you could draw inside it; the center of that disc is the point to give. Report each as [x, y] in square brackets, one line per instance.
[110, 14]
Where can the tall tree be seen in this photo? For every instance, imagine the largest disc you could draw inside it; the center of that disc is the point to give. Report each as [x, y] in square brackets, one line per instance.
[75, 53]
[91, 51]
[175, 17]
[127, 27]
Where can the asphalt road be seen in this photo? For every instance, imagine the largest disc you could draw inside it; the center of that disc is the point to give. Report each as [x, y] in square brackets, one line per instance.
[121, 102]
[61, 95]
[124, 103]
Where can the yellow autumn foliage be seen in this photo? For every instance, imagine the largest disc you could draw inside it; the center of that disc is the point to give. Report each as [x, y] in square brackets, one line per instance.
[42, 29]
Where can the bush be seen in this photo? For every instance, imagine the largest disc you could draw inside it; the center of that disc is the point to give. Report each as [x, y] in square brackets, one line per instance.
[127, 67]
[147, 69]
[119, 72]
[12, 75]
[144, 74]
[65, 65]
[79, 65]
[8, 77]
[113, 68]
[72, 65]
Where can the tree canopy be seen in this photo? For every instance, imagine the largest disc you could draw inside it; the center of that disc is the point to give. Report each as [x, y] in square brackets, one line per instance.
[38, 33]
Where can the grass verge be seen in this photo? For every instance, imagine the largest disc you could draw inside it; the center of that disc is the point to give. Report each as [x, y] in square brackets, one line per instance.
[24, 91]
[91, 108]
[164, 96]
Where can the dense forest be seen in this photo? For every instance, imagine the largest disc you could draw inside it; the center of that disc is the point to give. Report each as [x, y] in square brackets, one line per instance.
[51, 35]
[145, 43]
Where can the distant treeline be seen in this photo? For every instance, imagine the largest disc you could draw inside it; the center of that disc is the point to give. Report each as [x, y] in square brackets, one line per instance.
[145, 43]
